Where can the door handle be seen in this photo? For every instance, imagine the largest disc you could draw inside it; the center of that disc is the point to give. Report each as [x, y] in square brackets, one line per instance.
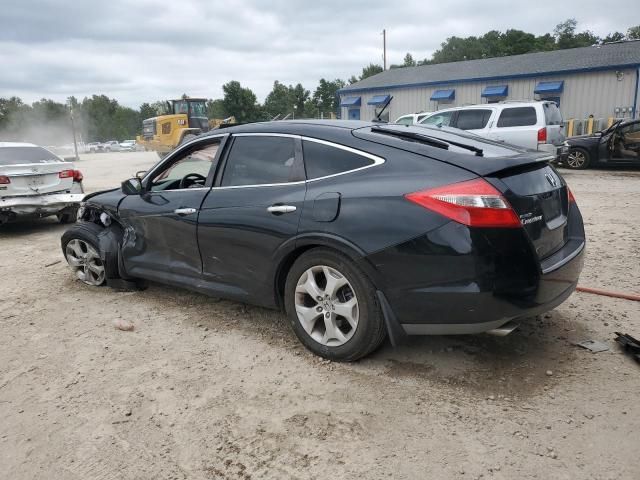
[280, 209]
[184, 211]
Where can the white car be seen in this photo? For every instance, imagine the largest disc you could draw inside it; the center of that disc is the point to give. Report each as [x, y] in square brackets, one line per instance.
[535, 125]
[93, 147]
[412, 118]
[128, 145]
[111, 146]
[34, 182]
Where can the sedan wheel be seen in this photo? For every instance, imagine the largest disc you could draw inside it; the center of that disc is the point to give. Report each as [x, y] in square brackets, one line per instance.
[85, 261]
[326, 305]
[577, 159]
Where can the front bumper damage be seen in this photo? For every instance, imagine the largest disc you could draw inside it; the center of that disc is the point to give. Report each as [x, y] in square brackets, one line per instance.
[37, 205]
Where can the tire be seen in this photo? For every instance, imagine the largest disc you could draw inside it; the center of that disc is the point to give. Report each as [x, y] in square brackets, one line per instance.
[81, 248]
[343, 342]
[578, 159]
[187, 138]
[67, 215]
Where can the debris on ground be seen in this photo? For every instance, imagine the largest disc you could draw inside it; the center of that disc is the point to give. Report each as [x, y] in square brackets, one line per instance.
[630, 344]
[593, 346]
[123, 325]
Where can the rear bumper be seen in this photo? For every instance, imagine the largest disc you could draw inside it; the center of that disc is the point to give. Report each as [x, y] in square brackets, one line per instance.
[456, 280]
[39, 205]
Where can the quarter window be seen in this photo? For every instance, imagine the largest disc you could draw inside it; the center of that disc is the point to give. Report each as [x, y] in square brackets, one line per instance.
[322, 160]
[472, 119]
[517, 117]
[259, 161]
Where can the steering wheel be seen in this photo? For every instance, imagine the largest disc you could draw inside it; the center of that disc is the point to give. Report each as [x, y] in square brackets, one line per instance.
[190, 179]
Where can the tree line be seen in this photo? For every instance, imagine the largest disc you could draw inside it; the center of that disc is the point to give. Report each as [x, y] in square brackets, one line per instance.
[100, 118]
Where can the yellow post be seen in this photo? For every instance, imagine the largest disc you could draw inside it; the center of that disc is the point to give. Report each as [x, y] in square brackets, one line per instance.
[570, 127]
[610, 122]
[590, 125]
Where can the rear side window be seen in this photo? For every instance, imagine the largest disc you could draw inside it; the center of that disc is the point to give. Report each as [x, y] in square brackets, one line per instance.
[259, 160]
[472, 119]
[552, 114]
[321, 160]
[18, 155]
[518, 117]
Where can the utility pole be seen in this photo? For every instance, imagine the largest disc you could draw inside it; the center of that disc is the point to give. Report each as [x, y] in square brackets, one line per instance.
[384, 49]
[73, 129]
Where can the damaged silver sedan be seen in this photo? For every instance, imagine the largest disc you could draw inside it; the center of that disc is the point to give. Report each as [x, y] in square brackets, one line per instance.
[35, 182]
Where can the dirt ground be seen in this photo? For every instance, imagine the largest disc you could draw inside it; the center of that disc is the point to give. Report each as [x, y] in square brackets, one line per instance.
[208, 389]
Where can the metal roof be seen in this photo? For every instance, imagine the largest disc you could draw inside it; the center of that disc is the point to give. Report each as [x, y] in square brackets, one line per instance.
[602, 57]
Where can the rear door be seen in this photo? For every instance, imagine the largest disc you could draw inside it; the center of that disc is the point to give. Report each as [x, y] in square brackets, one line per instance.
[553, 123]
[30, 170]
[252, 214]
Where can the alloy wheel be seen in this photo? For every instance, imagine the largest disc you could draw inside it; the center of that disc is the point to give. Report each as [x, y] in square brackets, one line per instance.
[85, 261]
[326, 306]
[576, 159]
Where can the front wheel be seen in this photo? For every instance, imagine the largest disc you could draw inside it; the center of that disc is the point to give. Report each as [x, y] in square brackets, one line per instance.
[332, 306]
[80, 246]
[578, 159]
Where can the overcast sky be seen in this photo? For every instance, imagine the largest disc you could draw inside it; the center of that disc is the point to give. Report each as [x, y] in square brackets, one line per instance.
[146, 50]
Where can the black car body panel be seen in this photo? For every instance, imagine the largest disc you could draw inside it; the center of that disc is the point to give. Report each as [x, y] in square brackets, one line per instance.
[434, 274]
[617, 145]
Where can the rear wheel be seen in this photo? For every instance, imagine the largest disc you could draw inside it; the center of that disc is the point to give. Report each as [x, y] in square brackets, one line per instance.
[333, 306]
[578, 159]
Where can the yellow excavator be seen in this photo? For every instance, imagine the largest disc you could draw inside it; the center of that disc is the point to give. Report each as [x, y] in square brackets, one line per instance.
[186, 118]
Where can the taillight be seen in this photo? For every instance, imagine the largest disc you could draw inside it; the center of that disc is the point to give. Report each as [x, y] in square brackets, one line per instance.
[4, 180]
[572, 199]
[475, 203]
[542, 135]
[77, 176]
[66, 174]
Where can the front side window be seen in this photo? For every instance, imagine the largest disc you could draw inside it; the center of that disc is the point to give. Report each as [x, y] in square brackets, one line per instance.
[405, 121]
[472, 119]
[189, 171]
[322, 160]
[259, 160]
[439, 119]
[518, 117]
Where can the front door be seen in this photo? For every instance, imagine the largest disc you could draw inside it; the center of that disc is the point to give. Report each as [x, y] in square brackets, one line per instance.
[252, 215]
[625, 146]
[161, 223]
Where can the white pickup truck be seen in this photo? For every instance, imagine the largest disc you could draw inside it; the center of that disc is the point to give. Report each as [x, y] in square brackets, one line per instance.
[34, 182]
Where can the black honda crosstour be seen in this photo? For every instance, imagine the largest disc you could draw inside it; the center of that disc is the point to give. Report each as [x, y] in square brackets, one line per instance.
[356, 230]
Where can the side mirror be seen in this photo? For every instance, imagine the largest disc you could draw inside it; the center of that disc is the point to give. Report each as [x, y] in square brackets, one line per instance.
[140, 174]
[132, 186]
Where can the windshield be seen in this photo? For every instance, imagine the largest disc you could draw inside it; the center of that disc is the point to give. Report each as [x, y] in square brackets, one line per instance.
[20, 155]
[180, 106]
[198, 109]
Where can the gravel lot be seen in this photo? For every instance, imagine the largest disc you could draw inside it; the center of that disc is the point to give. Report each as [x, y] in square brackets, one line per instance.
[210, 389]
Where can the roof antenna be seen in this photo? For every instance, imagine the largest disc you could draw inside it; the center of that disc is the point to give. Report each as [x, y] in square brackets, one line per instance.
[378, 119]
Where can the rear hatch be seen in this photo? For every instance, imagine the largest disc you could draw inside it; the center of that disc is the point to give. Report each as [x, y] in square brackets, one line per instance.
[553, 123]
[31, 170]
[540, 198]
[534, 189]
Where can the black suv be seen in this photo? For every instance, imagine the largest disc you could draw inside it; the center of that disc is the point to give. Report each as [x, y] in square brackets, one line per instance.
[357, 230]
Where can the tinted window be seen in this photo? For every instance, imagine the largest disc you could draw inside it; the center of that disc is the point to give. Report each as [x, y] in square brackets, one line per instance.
[441, 119]
[259, 160]
[322, 160]
[517, 117]
[197, 162]
[18, 155]
[472, 119]
[552, 114]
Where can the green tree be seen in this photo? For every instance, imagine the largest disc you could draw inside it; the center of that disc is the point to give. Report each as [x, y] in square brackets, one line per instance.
[241, 102]
[215, 109]
[300, 96]
[613, 37]
[370, 70]
[147, 111]
[566, 36]
[633, 33]
[279, 101]
[325, 96]
[408, 61]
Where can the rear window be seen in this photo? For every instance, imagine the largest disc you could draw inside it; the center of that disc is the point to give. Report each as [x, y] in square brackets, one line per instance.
[552, 114]
[472, 119]
[518, 117]
[323, 160]
[18, 155]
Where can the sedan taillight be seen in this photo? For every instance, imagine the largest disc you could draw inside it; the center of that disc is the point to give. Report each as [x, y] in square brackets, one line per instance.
[4, 180]
[75, 174]
[475, 203]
